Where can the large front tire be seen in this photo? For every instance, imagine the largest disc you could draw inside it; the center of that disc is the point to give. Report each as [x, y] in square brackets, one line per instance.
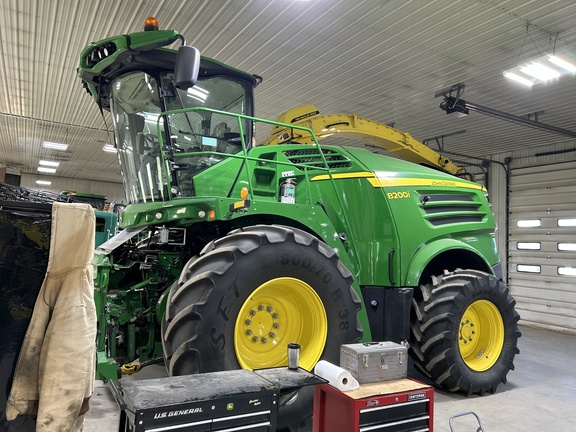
[464, 331]
[251, 293]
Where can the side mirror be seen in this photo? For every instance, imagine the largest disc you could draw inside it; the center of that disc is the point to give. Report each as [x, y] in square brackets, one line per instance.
[187, 67]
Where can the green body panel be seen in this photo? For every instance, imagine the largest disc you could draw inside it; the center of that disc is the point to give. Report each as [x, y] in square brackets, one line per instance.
[461, 214]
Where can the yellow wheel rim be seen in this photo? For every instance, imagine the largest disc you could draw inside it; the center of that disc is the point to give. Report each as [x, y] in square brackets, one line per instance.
[481, 335]
[279, 312]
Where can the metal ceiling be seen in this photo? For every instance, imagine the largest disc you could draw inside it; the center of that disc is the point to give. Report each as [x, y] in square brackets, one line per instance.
[382, 59]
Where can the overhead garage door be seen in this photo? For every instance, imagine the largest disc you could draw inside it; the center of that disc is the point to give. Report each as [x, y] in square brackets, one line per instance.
[542, 243]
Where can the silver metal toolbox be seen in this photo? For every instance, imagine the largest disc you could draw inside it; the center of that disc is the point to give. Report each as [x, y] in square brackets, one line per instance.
[374, 361]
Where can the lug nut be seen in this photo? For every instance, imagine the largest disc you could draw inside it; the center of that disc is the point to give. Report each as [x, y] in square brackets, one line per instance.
[276, 325]
[252, 312]
[272, 335]
[269, 309]
[264, 340]
[255, 339]
[248, 322]
[275, 315]
[261, 308]
[248, 332]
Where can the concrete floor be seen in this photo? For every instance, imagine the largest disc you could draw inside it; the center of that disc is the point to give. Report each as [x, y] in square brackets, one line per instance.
[540, 394]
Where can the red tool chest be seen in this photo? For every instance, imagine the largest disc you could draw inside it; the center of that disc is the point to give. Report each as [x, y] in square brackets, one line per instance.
[402, 405]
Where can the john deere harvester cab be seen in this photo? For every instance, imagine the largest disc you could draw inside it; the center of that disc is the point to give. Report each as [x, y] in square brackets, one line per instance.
[230, 251]
[135, 80]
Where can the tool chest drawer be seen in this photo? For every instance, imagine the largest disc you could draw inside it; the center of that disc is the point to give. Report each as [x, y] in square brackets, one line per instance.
[393, 406]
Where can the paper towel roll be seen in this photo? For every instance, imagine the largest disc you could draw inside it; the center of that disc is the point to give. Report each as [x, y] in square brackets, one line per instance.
[336, 376]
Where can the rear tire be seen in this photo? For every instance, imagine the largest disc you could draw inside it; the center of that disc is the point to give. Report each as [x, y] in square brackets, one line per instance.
[464, 331]
[251, 293]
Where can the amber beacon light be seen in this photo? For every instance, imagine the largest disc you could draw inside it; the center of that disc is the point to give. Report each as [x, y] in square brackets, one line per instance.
[150, 24]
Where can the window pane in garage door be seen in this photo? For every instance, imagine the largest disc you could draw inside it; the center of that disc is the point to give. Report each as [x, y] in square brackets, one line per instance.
[542, 241]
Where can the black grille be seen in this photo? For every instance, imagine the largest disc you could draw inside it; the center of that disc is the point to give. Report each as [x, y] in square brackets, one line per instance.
[443, 209]
[444, 220]
[450, 208]
[445, 197]
[311, 157]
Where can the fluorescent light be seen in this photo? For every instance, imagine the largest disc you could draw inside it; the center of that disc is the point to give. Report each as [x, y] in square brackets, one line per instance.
[47, 170]
[49, 163]
[43, 182]
[543, 69]
[539, 71]
[109, 148]
[562, 63]
[518, 78]
[55, 146]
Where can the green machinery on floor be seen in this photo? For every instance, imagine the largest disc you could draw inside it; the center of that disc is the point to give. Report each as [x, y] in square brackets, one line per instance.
[231, 250]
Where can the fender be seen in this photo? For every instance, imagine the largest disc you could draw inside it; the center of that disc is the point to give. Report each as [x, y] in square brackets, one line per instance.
[430, 251]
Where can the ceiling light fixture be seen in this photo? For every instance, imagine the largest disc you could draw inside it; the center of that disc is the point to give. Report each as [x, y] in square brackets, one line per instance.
[49, 163]
[47, 170]
[55, 146]
[541, 70]
[43, 182]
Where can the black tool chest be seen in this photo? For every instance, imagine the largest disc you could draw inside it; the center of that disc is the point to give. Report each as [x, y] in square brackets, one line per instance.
[238, 400]
[221, 401]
